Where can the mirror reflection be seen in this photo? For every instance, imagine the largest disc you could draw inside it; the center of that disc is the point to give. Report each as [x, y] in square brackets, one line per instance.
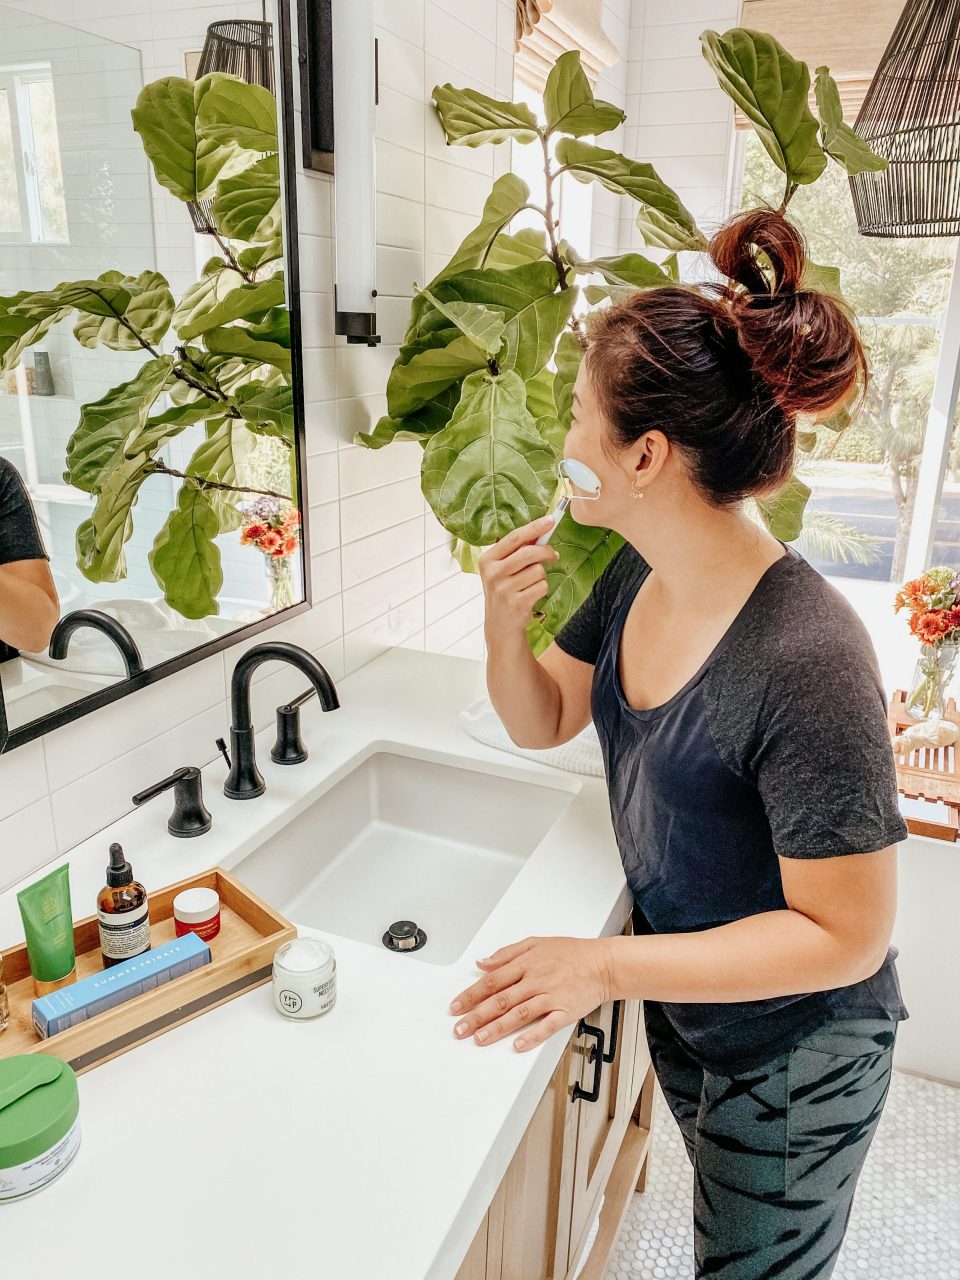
[147, 433]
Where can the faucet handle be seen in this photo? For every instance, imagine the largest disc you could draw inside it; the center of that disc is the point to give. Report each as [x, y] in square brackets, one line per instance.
[190, 816]
[289, 747]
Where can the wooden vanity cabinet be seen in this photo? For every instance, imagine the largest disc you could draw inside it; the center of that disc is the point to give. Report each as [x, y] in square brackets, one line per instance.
[575, 1150]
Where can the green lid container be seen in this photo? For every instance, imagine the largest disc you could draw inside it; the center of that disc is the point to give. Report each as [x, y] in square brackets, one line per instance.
[39, 1133]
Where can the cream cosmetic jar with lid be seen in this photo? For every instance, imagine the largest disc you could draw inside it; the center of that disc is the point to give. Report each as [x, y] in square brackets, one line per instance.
[39, 1123]
[304, 978]
[197, 911]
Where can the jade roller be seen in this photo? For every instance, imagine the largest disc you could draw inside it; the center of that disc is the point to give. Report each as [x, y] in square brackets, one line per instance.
[572, 473]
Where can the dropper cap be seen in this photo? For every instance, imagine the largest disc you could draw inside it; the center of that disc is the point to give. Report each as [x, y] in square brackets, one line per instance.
[119, 871]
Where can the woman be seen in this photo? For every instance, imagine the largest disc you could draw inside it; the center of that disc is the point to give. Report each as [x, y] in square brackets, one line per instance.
[29, 607]
[752, 784]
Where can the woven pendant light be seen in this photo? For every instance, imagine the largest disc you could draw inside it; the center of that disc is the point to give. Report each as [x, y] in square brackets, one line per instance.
[911, 115]
[242, 48]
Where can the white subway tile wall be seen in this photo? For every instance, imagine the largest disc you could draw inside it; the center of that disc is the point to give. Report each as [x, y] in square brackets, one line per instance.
[381, 568]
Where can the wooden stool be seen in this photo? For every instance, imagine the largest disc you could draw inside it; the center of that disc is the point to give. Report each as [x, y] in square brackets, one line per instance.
[928, 773]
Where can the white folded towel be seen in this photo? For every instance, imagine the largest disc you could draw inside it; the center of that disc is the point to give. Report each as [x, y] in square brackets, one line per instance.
[581, 754]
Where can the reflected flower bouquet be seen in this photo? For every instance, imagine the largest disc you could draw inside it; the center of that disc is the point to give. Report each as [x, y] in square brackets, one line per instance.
[272, 526]
[934, 603]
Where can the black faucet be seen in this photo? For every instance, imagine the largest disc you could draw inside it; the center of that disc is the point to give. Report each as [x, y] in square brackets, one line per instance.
[110, 627]
[190, 816]
[244, 780]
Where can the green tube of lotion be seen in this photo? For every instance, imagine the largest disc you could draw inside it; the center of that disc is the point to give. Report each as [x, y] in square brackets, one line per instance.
[48, 923]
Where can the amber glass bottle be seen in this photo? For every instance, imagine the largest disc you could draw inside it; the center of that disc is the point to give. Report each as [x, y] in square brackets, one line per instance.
[123, 912]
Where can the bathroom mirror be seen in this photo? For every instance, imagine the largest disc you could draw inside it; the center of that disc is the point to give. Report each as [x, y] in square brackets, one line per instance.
[150, 390]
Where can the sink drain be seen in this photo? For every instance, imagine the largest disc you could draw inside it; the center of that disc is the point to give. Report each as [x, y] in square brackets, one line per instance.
[404, 935]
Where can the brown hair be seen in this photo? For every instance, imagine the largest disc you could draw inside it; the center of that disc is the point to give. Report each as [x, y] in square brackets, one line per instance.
[722, 370]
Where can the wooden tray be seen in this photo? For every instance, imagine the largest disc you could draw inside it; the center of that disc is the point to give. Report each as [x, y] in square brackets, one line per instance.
[241, 958]
[928, 773]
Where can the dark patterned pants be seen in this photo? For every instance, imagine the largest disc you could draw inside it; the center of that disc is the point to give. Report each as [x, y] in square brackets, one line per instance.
[776, 1152]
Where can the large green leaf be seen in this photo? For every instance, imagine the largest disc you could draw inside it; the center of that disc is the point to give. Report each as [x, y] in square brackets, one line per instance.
[242, 302]
[818, 276]
[783, 513]
[540, 399]
[663, 219]
[97, 445]
[419, 425]
[235, 112]
[489, 470]
[471, 119]
[19, 331]
[770, 87]
[530, 337]
[507, 196]
[595, 293]
[554, 432]
[483, 326]
[101, 538]
[259, 403]
[163, 427]
[247, 205]
[148, 313]
[507, 251]
[585, 551]
[258, 255]
[238, 340]
[411, 385]
[220, 458]
[185, 559]
[186, 162]
[207, 294]
[838, 139]
[569, 104]
[568, 357]
[625, 269]
[95, 297]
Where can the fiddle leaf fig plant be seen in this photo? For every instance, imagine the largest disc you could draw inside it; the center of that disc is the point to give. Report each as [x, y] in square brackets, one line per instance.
[220, 356]
[483, 379]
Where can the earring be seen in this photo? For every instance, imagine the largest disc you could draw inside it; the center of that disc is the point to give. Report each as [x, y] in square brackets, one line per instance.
[637, 493]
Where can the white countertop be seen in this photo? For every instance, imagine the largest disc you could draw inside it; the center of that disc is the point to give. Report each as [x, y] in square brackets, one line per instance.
[366, 1143]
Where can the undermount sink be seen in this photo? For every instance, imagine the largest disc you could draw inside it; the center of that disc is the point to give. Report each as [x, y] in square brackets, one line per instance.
[400, 837]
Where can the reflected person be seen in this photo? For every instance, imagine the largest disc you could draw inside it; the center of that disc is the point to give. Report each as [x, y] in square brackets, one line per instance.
[29, 606]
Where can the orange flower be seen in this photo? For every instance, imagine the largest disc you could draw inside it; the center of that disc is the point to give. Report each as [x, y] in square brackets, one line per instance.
[271, 542]
[289, 544]
[932, 625]
[252, 533]
[292, 519]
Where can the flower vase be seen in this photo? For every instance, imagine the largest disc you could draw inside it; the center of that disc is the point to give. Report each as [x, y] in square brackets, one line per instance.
[280, 578]
[931, 678]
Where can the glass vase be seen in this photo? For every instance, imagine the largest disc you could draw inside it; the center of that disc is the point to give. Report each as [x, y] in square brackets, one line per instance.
[280, 578]
[933, 673]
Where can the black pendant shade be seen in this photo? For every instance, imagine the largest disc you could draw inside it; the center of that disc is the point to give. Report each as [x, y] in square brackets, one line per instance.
[911, 115]
[243, 49]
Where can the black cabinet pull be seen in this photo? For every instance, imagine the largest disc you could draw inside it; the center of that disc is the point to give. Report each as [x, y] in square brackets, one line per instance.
[595, 1055]
[614, 1031]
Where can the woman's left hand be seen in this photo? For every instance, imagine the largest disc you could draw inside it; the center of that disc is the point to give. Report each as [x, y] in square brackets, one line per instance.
[555, 980]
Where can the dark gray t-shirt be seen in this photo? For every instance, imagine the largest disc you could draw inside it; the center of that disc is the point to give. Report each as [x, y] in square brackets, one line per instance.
[19, 532]
[778, 744]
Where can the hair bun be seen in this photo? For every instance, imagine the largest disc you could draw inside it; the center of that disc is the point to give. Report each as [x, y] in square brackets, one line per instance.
[801, 343]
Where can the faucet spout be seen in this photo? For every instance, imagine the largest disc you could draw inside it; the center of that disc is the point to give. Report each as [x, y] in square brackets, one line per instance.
[110, 627]
[244, 781]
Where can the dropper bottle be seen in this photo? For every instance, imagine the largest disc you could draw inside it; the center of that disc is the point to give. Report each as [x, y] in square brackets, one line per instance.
[123, 912]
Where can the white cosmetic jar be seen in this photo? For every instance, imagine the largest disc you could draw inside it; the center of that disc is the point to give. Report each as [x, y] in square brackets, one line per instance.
[304, 978]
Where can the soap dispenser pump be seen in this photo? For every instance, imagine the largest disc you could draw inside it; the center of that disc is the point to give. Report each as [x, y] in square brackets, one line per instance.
[123, 912]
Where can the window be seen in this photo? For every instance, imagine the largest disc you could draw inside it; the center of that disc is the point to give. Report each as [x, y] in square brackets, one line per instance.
[864, 482]
[32, 204]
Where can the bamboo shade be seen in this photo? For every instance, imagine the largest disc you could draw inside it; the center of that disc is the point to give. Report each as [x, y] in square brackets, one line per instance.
[547, 28]
[847, 37]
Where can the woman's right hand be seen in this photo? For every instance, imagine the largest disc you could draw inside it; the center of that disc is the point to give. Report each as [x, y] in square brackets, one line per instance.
[513, 576]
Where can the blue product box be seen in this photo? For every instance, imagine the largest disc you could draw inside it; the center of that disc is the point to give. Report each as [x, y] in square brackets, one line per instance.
[99, 991]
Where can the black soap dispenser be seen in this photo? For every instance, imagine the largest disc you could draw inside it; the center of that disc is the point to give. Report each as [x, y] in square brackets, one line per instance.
[123, 912]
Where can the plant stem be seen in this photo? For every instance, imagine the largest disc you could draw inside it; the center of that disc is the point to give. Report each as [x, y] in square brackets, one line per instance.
[548, 215]
[163, 469]
[789, 193]
[211, 229]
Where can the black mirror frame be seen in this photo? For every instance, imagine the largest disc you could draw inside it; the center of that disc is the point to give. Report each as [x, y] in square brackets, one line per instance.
[11, 738]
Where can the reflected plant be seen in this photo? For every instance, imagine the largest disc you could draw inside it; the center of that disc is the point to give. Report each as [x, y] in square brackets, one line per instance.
[484, 376]
[227, 359]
